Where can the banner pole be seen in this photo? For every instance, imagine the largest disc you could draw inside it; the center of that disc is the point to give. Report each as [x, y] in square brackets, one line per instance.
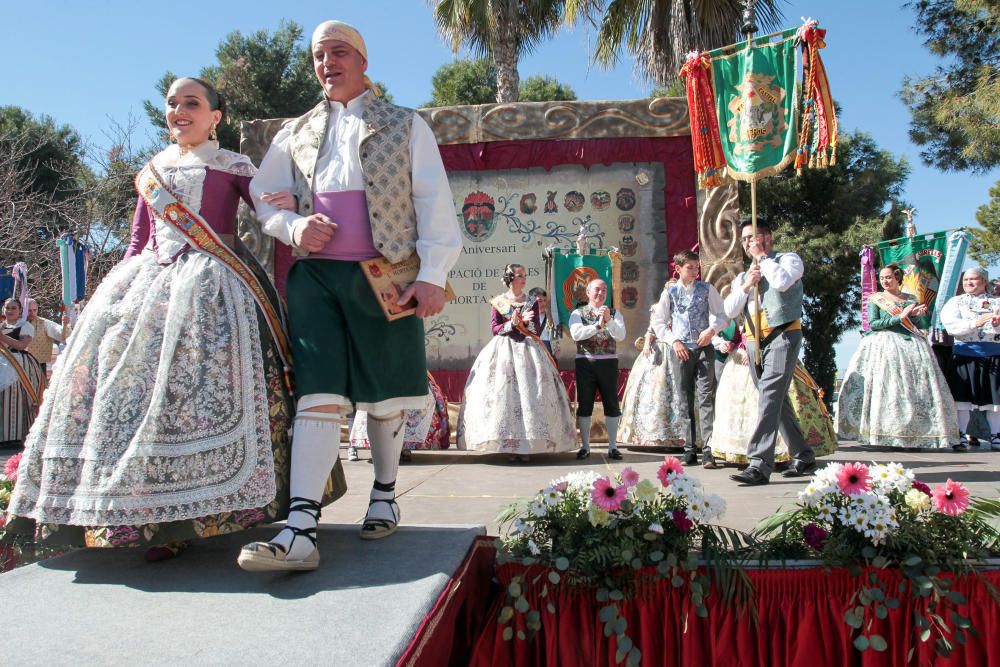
[756, 287]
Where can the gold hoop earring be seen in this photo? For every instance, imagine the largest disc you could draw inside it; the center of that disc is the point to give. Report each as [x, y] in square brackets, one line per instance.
[212, 135]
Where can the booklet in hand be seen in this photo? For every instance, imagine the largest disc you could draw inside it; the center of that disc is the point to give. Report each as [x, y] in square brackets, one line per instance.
[389, 281]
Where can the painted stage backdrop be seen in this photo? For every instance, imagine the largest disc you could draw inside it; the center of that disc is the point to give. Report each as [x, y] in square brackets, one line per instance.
[528, 176]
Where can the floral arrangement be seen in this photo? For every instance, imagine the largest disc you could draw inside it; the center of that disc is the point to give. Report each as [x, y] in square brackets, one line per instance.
[608, 532]
[869, 518]
[7, 480]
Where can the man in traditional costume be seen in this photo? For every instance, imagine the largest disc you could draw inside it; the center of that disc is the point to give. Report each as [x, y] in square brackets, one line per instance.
[779, 278]
[687, 317]
[368, 179]
[47, 333]
[596, 328]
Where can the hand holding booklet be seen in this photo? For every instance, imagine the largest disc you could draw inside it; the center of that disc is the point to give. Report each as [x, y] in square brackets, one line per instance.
[389, 281]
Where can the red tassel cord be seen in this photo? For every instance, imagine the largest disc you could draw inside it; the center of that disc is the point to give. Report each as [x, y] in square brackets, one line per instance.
[709, 162]
[818, 124]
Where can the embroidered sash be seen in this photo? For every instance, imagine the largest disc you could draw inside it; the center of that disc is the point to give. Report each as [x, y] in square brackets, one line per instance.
[506, 307]
[892, 307]
[21, 374]
[167, 207]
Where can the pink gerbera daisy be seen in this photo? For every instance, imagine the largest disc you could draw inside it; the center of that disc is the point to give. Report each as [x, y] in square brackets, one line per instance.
[606, 495]
[853, 478]
[951, 498]
[670, 465]
[10, 468]
[630, 477]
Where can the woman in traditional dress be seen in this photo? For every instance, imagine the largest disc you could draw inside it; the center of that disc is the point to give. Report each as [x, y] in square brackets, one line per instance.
[20, 376]
[894, 393]
[515, 402]
[736, 412]
[973, 318]
[167, 415]
[425, 429]
[652, 414]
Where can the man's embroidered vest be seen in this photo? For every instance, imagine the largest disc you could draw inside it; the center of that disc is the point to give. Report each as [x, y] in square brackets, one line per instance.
[385, 161]
[600, 344]
[688, 312]
[780, 307]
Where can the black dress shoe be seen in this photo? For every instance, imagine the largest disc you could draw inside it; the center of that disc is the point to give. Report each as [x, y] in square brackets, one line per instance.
[800, 469]
[750, 477]
[582, 454]
[614, 454]
[690, 458]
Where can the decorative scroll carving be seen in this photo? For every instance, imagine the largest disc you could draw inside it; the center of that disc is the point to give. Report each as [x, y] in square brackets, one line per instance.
[657, 117]
[718, 234]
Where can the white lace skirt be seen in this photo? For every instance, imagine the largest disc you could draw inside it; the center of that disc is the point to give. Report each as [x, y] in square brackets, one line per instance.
[651, 409]
[895, 395]
[157, 409]
[515, 402]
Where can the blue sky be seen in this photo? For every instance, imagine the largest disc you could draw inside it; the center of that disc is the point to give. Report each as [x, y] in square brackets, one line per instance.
[88, 63]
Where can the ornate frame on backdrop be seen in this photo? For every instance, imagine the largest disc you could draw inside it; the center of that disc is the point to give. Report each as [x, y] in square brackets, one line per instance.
[503, 158]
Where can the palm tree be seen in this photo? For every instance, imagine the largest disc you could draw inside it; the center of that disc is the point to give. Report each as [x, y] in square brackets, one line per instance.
[505, 30]
[659, 33]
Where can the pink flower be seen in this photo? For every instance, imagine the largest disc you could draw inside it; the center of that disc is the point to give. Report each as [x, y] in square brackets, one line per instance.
[10, 468]
[681, 521]
[630, 477]
[671, 464]
[606, 495]
[920, 486]
[853, 478]
[952, 498]
[560, 487]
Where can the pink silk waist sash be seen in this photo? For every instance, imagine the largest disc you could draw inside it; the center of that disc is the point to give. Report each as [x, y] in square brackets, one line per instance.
[352, 242]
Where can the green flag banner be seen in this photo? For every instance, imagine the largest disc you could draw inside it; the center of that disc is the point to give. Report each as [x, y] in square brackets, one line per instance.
[572, 272]
[922, 259]
[756, 98]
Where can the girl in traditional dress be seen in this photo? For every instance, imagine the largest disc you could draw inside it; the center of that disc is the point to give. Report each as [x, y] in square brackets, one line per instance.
[425, 429]
[894, 393]
[515, 402]
[167, 415]
[736, 413]
[973, 318]
[652, 414]
[20, 376]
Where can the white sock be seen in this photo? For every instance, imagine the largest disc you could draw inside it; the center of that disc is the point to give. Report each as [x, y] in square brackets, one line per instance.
[963, 420]
[611, 423]
[584, 424]
[315, 448]
[386, 437]
[994, 419]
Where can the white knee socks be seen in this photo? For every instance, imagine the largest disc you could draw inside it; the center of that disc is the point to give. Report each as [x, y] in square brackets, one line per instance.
[386, 437]
[315, 447]
[994, 419]
[611, 423]
[963, 420]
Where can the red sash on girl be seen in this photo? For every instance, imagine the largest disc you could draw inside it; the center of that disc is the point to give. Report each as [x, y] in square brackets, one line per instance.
[166, 206]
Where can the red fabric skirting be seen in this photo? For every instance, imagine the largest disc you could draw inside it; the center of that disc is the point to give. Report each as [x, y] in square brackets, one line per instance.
[801, 624]
[449, 632]
[452, 383]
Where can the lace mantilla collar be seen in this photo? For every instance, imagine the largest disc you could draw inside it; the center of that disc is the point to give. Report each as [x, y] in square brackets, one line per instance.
[207, 154]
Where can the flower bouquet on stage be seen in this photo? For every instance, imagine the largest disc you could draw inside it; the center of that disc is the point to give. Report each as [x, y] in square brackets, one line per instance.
[907, 543]
[613, 537]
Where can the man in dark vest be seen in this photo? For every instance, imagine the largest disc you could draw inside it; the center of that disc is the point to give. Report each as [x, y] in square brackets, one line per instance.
[779, 278]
